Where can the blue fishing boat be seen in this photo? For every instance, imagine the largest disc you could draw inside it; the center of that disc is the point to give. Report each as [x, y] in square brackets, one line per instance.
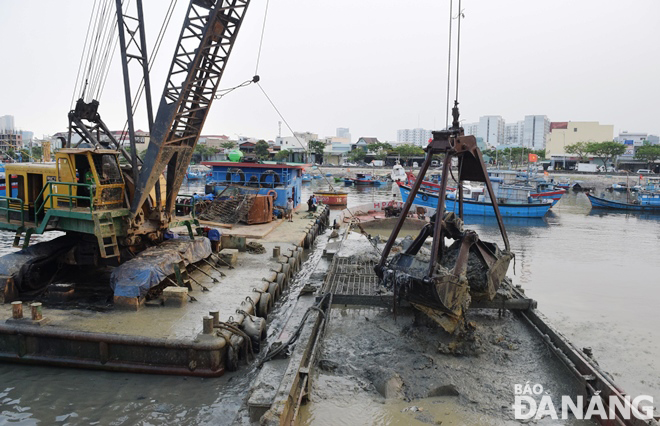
[306, 177]
[280, 180]
[536, 208]
[317, 177]
[348, 181]
[363, 179]
[645, 202]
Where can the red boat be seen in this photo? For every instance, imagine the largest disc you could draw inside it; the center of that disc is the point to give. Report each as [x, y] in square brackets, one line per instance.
[426, 185]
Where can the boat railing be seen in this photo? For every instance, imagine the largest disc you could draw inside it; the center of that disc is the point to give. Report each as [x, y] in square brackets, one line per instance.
[71, 199]
[9, 205]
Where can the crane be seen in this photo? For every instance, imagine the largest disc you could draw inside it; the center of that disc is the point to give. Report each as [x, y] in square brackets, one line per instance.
[86, 191]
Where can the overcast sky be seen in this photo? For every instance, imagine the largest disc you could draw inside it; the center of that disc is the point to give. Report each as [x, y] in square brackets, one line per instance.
[374, 66]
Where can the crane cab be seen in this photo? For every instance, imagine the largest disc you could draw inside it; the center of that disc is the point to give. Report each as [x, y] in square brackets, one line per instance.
[80, 178]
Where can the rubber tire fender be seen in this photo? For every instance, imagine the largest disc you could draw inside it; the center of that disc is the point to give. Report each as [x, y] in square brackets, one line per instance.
[230, 172]
[276, 179]
[425, 197]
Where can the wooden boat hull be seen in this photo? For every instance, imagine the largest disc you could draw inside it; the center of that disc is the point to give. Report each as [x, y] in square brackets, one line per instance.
[555, 196]
[476, 208]
[332, 198]
[602, 203]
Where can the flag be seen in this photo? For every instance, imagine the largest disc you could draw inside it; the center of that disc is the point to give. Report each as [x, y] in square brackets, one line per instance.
[533, 158]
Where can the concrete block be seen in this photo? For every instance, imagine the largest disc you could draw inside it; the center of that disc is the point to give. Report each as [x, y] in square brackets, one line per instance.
[228, 256]
[128, 303]
[233, 242]
[175, 297]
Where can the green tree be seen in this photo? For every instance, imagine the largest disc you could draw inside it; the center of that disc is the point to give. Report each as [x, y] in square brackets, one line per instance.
[316, 148]
[607, 150]
[379, 149]
[406, 151]
[581, 149]
[648, 153]
[282, 155]
[356, 155]
[261, 150]
[228, 145]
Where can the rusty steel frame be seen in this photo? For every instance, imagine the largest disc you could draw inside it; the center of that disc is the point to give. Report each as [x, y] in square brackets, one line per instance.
[205, 43]
[30, 344]
[452, 143]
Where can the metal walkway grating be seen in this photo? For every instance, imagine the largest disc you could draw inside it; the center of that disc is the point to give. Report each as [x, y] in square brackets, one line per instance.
[354, 283]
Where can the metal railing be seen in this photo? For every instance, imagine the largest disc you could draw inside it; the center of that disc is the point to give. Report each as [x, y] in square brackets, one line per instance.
[6, 208]
[186, 206]
[70, 197]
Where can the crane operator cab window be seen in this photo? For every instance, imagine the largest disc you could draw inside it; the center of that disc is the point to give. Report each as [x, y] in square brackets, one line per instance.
[108, 169]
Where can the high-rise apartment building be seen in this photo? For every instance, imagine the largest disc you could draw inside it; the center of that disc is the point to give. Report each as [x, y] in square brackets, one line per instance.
[513, 133]
[537, 128]
[491, 129]
[344, 132]
[419, 137]
[7, 123]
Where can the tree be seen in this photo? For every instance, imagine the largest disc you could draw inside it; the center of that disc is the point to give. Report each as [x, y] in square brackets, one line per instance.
[317, 148]
[282, 155]
[581, 149]
[261, 150]
[648, 153]
[606, 150]
[357, 155]
[228, 145]
[379, 149]
[406, 151]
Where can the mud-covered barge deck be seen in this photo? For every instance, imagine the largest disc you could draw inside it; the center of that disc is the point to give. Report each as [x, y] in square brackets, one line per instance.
[203, 337]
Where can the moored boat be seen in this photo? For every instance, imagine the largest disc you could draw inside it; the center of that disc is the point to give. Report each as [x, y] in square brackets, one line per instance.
[536, 208]
[332, 198]
[645, 202]
[306, 177]
[363, 179]
[398, 173]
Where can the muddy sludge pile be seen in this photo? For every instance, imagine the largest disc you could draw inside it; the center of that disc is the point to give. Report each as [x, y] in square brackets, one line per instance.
[443, 288]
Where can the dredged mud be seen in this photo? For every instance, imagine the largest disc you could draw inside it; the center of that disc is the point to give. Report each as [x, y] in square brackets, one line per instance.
[374, 369]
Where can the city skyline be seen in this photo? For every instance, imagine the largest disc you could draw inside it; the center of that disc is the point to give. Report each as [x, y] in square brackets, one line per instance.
[344, 79]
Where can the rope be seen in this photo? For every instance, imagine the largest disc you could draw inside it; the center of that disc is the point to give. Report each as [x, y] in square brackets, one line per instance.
[255, 248]
[458, 46]
[451, 9]
[261, 41]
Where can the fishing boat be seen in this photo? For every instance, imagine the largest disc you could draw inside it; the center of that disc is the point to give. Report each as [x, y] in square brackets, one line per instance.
[398, 173]
[306, 177]
[646, 201]
[432, 186]
[197, 172]
[533, 208]
[317, 177]
[332, 198]
[339, 179]
[348, 181]
[363, 179]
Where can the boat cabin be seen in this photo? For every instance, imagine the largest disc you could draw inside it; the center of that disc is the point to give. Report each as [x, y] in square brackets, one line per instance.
[284, 179]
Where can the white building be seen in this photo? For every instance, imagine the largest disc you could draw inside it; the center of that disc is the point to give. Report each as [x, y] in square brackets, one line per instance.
[537, 128]
[513, 133]
[471, 128]
[344, 133]
[7, 123]
[491, 130]
[631, 140]
[419, 137]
